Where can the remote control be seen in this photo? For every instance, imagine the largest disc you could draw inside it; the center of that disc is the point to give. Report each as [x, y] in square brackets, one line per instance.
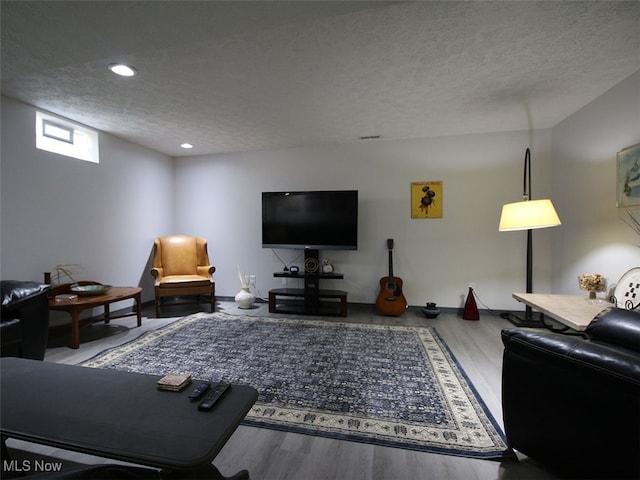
[199, 390]
[214, 394]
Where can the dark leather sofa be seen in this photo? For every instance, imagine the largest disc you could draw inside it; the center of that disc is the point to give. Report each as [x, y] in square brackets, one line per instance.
[24, 325]
[573, 403]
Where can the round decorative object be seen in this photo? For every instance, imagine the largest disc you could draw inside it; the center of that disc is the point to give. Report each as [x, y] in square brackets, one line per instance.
[311, 265]
[627, 292]
[89, 290]
[245, 298]
[431, 311]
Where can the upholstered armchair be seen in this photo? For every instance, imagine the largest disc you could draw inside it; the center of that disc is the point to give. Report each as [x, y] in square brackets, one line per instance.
[181, 269]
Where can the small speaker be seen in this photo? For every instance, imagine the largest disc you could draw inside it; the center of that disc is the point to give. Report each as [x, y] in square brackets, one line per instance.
[311, 265]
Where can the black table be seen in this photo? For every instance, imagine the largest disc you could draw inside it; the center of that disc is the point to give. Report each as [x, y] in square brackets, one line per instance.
[117, 415]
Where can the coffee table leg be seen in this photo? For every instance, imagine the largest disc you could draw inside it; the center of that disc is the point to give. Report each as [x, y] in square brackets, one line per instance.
[138, 299]
[75, 328]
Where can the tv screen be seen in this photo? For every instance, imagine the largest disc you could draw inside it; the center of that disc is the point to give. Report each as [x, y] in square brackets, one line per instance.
[322, 220]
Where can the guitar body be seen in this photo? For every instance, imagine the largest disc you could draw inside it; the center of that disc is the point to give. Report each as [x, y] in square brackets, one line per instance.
[391, 300]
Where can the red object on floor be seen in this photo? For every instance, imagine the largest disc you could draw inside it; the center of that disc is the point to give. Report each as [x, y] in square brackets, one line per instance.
[470, 307]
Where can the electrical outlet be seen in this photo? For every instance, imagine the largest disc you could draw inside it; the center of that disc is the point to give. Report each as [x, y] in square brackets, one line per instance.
[284, 281]
[252, 280]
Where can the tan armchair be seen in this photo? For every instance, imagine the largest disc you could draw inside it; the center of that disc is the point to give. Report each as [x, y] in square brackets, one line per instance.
[181, 268]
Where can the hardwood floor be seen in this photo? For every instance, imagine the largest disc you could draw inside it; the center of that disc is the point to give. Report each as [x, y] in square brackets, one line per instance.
[275, 455]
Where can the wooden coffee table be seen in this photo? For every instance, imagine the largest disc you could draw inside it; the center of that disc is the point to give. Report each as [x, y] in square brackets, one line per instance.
[573, 311]
[74, 307]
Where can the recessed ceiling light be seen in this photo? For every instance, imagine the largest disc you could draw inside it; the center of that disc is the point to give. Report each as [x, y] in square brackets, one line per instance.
[122, 70]
[186, 145]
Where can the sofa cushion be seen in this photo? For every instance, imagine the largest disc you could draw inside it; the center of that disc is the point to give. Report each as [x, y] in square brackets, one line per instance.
[616, 326]
[172, 281]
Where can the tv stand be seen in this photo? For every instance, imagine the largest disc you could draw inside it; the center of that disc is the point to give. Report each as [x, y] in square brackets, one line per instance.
[310, 300]
[299, 302]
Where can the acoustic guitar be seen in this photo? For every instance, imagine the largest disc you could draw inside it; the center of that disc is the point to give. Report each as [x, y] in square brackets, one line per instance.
[391, 300]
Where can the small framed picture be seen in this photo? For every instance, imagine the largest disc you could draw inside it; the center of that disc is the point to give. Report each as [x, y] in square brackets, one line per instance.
[426, 199]
[628, 177]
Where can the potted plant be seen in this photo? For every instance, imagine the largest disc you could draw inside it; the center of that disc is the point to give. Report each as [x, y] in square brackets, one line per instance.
[60, 271]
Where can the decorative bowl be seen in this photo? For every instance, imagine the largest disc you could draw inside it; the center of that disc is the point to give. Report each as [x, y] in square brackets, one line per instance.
[90, 290]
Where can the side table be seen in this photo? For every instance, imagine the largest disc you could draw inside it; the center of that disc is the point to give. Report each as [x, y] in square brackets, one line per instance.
[573, 311]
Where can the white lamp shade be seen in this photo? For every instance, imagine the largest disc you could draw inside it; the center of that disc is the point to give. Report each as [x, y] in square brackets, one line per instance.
[527, 215]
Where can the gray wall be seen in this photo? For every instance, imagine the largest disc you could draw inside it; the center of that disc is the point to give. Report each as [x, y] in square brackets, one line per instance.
[219, 197]
[62, 210]
[104, 217]
[594, 238]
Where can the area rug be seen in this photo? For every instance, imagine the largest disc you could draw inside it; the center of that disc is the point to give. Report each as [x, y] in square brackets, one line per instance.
[386, 385]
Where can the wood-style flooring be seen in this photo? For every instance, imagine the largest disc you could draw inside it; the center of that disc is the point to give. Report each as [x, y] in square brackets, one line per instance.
[275, 455]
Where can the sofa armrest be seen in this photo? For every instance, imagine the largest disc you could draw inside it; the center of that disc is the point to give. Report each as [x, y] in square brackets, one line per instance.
[616, 326]
[29, 303]
[16, 293]
[576, 353]
[205, 270]
[157, 272]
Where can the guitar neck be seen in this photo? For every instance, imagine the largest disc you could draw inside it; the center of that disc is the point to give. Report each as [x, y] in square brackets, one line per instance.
[390, 264]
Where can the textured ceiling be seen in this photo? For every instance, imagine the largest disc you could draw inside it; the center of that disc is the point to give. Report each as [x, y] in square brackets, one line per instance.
[239, 75]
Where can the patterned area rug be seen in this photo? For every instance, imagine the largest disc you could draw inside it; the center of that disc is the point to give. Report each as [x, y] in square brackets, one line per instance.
[385, 385]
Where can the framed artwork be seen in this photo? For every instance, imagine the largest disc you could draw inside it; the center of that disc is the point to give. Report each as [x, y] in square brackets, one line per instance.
[628, 177]
[426, 199]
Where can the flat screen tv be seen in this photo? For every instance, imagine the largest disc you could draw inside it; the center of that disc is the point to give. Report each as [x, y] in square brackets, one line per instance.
[321, 220]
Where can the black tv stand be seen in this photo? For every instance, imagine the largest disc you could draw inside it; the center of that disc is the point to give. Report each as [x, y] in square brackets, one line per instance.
[310, 300]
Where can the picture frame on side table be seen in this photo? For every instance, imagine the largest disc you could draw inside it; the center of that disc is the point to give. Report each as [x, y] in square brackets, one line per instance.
[628, 177]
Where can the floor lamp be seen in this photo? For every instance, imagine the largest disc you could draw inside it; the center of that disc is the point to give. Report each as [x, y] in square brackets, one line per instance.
[527, 215]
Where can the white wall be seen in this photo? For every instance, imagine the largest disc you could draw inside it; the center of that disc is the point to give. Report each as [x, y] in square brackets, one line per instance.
[62, 210]
[219, 197]
[594, 238]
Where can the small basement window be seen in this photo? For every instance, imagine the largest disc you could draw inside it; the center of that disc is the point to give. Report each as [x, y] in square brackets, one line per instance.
[66, 138]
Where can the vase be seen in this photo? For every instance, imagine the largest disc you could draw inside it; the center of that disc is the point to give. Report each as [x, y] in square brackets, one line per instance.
[431, 311]
[245, 298]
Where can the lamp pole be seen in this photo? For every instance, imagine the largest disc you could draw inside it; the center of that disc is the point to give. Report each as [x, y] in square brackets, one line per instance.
[528, 312]
[526, 189]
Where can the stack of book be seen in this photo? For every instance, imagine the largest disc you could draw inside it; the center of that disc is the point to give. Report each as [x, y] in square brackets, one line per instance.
[174, 381]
